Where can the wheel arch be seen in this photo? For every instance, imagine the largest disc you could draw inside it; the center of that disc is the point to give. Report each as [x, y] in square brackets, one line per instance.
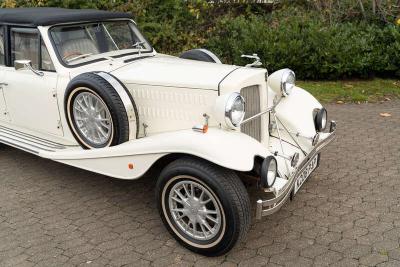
[157, 167]
[228, 149]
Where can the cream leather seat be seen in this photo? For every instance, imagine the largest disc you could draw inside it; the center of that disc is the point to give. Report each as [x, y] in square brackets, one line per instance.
[80, 45]
[2, 50]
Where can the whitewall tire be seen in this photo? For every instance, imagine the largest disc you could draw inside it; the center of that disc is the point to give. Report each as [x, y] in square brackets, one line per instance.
[95, 112]
[205, 207]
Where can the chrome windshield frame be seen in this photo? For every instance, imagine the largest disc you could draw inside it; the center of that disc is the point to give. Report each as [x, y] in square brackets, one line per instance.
[128, 52]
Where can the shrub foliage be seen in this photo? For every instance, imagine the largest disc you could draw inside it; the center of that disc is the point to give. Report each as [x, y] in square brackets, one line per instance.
[318, 39]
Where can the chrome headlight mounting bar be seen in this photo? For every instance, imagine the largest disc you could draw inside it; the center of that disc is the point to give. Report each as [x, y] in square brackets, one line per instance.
[271, 109]
[278, 121]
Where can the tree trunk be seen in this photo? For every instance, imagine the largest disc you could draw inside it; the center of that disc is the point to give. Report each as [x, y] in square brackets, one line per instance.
[374, 7]
[362, 9]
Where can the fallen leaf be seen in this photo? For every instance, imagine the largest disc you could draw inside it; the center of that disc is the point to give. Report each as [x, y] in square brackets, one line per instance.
[339, 102]
[348, 85]
[387, 99]
[385, 114]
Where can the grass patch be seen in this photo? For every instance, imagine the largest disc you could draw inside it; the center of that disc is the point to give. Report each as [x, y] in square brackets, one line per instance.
[353, 90]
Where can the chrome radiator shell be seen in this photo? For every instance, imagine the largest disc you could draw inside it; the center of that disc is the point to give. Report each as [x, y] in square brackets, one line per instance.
[251, 94]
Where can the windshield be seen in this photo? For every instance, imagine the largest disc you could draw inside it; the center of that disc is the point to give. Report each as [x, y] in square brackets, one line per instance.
[83, 43]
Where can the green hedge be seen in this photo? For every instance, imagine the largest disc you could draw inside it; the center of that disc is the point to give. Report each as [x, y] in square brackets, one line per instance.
[312, 49]
[294, 35]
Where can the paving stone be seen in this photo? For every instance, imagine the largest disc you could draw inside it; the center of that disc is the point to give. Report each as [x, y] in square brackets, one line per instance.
[373, 259]
[299, 262]
[346, 214]
[386, 245]
[390, 263]
[14, 260]
[254, 261]
[346, 263]
[287, 255]
[343, 245]
[328, 258]
[394, 254]
[328, 238]
[357, 251]
[313, 251]
[271, 250]
[241, 254]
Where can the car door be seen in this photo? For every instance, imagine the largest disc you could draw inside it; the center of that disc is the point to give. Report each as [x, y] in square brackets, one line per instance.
[30, 93]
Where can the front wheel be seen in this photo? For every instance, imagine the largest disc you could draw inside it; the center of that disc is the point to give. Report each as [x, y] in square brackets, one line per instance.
[205, 207]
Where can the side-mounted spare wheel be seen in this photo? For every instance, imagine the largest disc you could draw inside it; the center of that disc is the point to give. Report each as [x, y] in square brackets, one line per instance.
[96, 113]
[201, 55]
[204, 206]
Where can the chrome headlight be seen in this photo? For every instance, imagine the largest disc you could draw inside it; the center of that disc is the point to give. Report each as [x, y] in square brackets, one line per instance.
[282, 82]
[288, 82]
[321, 120]
[234, 110]
[229, 110]
[269, 172]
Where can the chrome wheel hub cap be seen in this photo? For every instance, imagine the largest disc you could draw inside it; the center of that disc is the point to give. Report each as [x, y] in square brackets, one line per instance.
[195, 210]
[92, 118]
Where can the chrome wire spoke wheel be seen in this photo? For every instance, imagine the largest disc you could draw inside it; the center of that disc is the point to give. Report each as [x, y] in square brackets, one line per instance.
[92, 118]
[205, 207]
[195, 210]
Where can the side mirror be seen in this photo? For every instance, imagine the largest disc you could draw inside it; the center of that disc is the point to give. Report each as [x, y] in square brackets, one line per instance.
[22, 64]
[26, 64]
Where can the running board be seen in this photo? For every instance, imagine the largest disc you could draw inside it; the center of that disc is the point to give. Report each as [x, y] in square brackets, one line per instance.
[27, 142]
[117, 161]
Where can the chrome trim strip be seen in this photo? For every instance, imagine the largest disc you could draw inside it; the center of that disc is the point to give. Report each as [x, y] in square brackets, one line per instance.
[130, 110]
[19, 147]
[273, 205]
[33, 138]
[22, 144]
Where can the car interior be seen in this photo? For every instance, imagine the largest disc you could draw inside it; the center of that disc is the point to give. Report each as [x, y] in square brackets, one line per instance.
[75, 40]
[25, 45]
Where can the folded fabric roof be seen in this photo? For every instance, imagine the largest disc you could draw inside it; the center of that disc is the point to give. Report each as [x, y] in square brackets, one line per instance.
[44, 16]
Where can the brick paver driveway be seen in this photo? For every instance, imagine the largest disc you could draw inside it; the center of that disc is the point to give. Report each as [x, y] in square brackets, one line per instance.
[347, 214]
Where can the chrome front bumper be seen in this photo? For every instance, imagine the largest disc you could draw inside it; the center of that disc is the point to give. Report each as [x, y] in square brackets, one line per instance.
[270, 206]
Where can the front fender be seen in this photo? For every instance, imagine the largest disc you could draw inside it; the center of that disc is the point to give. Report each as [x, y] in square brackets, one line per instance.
[296, 112]
[229, 149]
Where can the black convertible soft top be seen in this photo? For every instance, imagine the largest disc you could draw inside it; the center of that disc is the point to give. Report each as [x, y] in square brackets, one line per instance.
[44, 16]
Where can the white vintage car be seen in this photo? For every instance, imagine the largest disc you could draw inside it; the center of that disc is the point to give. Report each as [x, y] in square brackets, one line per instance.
[85, 88]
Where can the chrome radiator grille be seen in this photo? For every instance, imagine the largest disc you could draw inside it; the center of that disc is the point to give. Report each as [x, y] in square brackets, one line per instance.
[251, 95]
